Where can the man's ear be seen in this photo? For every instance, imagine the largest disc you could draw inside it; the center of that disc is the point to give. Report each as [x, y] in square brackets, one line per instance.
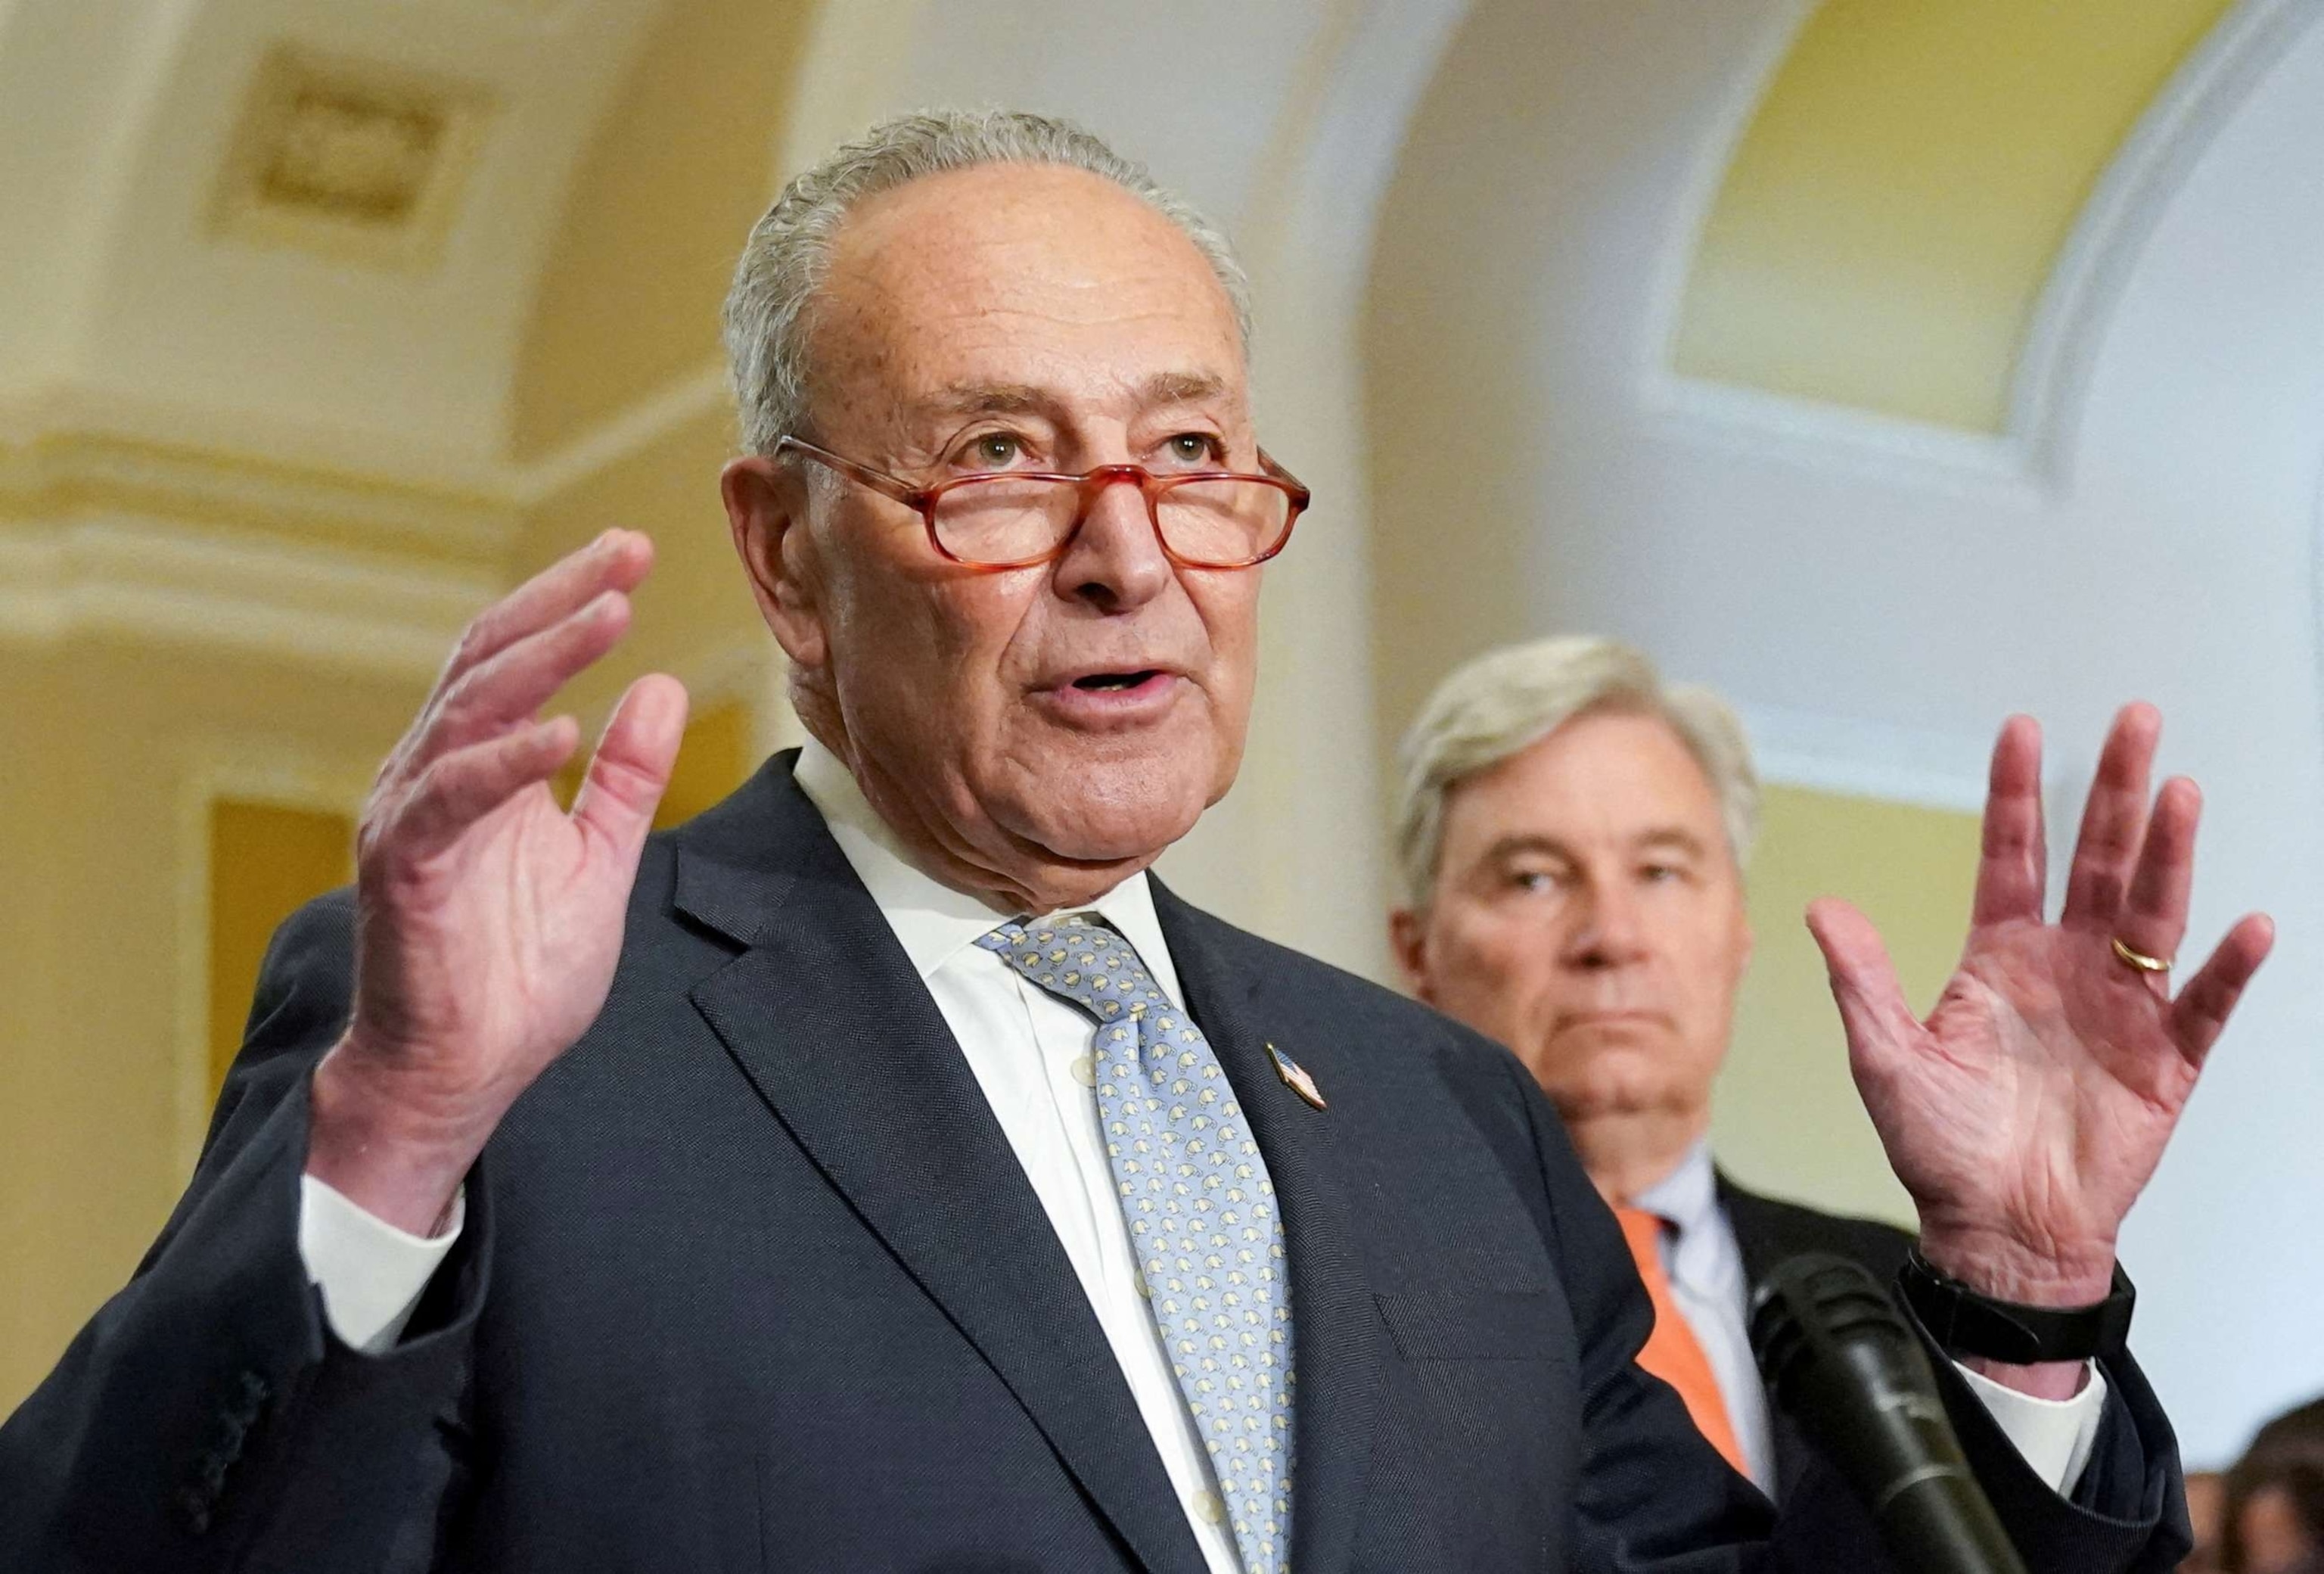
[1407, 936]
[766, 513]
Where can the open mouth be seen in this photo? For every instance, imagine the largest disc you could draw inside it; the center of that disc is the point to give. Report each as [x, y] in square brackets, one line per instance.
[1112, 682]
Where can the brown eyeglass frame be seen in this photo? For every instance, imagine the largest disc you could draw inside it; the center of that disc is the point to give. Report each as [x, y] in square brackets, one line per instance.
[923, 499]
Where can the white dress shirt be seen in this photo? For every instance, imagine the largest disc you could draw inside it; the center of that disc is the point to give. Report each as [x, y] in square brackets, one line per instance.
[1031, 1054]
[1705, 1264]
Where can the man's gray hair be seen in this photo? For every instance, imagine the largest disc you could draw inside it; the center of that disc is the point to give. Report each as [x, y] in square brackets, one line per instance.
[768, 317]
[1504, 702]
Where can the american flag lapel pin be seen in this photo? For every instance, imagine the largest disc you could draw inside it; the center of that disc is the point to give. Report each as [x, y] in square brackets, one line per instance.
[1295, 1077]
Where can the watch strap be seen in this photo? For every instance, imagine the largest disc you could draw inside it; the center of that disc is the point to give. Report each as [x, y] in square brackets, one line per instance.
[1964, 1323]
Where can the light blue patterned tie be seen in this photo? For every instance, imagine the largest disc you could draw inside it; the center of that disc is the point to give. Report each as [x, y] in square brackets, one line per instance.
[1200, 1213]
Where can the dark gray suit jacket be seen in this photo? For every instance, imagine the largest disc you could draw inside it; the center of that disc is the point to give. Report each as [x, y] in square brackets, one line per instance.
[751, 1280]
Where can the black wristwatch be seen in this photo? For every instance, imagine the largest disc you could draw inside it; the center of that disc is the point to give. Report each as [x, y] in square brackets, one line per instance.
[1966, 1323]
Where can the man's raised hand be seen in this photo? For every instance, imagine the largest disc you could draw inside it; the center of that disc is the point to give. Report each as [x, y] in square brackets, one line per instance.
[2028, 1112]
[488, 920]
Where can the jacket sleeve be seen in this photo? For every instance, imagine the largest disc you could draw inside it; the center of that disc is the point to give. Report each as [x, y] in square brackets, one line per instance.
[207, 1419]
[1656, 1499]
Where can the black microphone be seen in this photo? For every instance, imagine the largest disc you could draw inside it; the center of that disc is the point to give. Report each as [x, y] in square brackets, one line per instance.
[1841, 1364]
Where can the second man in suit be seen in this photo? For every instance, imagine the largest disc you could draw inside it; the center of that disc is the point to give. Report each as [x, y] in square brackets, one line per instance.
[1572, 834]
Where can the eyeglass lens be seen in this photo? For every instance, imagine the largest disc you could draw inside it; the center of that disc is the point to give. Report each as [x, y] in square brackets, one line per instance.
[1010, 519]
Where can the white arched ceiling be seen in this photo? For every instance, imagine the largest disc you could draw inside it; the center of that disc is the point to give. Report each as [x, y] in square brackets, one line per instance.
[211, 437]
[150, 323]
[1878, 594]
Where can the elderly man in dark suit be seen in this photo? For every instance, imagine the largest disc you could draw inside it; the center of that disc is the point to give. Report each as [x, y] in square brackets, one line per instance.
[882, 1172]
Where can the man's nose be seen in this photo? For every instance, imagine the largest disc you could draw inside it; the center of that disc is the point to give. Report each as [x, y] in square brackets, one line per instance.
[1114, 559]
[1610, 934]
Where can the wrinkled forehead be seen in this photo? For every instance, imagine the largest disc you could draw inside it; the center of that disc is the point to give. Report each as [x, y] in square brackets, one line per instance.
[1019, 276]
[1614, 774]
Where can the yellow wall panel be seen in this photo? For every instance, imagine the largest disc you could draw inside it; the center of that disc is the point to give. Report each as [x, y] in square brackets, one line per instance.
[105, 964]
[1895, 208]
[712, 762]
[265, 861]
[714, 757]
[1787, 1117]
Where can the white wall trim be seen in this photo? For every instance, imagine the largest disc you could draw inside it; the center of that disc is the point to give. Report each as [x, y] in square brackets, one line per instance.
[1756, 423]
[1838, 440]
[65, 473]
[88, 441]
[698, 394]
[1925, 768]
[128, 576]
[1673, 265]
[1867, 759]
[2145, 174]
[2030, 458]
[2316, 578]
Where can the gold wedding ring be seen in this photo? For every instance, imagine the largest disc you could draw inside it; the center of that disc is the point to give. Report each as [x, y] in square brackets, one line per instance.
[2140, 959]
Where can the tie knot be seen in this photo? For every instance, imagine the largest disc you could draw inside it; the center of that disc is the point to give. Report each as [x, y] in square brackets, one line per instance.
[1064, 928]
[1642, 1227]
[1079, 958]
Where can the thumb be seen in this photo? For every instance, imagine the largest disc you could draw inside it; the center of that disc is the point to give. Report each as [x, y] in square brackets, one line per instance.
[1872, 1007]
[632, 767]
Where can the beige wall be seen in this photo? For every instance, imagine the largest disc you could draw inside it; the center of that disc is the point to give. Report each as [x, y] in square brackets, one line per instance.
[104, 967]
[109, 744]
[1786, 1118]
[695, 617]
[104, 962]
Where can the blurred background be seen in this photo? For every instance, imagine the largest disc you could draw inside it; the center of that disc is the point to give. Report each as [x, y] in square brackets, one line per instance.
[1890, 365]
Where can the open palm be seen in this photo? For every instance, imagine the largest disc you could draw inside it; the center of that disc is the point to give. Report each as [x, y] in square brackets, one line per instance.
[2030, 1108]
[488, 919]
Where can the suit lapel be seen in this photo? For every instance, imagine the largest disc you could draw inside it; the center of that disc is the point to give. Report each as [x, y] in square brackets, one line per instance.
[1746, 1216]
[825, 1016]
[1334, 1322]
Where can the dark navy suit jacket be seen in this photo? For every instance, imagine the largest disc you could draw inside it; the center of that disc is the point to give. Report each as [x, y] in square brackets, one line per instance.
[753, 1281]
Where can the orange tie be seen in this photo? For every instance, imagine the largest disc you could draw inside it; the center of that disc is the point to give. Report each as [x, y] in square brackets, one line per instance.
[1672, 1352]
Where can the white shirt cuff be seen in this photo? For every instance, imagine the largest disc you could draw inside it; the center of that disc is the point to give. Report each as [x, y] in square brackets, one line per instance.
[2054, 1435]
[370, 1273]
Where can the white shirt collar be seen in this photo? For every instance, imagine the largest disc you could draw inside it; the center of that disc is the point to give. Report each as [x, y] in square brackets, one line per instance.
[933, 921]
[1687, 1198]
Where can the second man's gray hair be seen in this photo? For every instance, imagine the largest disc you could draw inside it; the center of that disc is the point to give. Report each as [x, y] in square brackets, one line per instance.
[1502, 703]
[768, 319]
